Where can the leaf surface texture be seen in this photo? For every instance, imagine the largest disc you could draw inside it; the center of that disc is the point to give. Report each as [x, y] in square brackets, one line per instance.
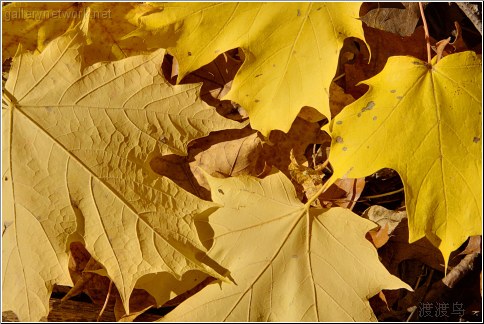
[288, 263]
[424, 123]
[291, 50]
[77, 147]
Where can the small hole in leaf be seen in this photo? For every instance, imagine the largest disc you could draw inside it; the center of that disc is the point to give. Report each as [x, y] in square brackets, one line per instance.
[345, 149]
[189, 53]
[339, 139]
[476, 139]
[6, 178]
[221, 191]
[374, 117]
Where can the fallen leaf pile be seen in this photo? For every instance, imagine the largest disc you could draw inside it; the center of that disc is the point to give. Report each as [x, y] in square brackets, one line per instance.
[212, 157]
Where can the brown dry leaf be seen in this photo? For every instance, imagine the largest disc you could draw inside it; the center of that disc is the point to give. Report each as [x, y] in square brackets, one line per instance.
[217, 79]
[276, 151]
[388, 221]
[310, 114]
[458, 43]
[86, 281]
[78, 259]
[310, 180]
[227, 158]
[401, 21]
[445, 47]
[236, 152]
[385, 217]
[379, 236]
[216, 76]
[222, 154]
[398, 249]
[177, 169]
[338, 99]
[343, 193]
[440, 46]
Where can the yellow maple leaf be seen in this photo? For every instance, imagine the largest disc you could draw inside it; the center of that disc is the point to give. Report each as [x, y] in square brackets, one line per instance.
[289, 263]
[424, 122]
[76, 150]
[291, 50]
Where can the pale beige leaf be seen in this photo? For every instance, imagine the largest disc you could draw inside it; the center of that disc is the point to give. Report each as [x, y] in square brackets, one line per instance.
[79, 144]
[288, 263]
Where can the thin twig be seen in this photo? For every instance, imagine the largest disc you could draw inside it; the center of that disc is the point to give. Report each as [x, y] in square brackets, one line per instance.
[106, 301]
[426, 285]
[325, 164]
[422, 274]
[339, 77]
[427, 36]
[460, 271]
[314, 156]
[466, 8]
[383, 194]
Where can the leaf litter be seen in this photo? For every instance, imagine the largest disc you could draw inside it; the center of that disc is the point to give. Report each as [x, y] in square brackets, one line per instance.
[311, 153]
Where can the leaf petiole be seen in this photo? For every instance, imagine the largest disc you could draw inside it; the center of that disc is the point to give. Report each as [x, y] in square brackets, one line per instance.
[427, 37]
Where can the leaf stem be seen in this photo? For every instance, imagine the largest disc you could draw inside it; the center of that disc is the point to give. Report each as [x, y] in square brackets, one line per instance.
[326, 185]
[426, 29]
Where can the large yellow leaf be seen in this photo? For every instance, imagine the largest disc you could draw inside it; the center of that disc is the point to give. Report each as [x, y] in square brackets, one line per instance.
[291, 50]
[288, 263]
[77, 147]
[34, 25]
[426, 124]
